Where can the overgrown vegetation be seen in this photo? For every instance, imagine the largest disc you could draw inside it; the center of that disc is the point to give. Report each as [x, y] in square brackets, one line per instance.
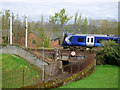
[105, 76]
[109, 53]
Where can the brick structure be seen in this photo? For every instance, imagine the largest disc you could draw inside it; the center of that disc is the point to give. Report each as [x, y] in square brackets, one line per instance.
[54, 43]
[33, 41]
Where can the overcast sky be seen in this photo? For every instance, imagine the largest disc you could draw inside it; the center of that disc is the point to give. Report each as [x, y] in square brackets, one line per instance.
[94, 9]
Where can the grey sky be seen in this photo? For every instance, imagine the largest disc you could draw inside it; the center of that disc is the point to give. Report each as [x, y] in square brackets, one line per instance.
[94, 9]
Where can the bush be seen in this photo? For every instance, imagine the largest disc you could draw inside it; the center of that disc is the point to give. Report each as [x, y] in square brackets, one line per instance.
[109, 52]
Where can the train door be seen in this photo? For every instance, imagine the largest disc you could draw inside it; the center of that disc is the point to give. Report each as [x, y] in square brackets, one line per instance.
[89, 41]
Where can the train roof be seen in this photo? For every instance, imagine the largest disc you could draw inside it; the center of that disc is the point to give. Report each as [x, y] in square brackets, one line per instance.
[98, 35]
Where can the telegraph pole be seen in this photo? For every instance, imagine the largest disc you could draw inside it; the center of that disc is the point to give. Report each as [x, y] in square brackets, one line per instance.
[11, 29]
[26, 32]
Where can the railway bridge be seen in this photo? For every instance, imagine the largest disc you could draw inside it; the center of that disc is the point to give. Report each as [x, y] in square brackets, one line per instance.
[64, 55]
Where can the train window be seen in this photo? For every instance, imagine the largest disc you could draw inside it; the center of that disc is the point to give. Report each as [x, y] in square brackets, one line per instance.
[99, 40]
[71, 39]
[91, 39]
[88, 40]
[115, 40]
[80, 39]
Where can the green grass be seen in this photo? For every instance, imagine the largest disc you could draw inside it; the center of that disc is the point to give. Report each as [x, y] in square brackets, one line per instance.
[105, 76]
[12, 72]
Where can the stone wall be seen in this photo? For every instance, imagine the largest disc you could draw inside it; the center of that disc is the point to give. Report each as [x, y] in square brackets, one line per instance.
[53, 69]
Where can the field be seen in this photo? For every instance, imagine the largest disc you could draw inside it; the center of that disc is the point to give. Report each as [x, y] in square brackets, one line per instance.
[105, 76]
[14, 69]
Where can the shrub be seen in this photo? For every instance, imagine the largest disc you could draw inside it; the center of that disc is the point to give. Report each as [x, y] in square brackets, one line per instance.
[109, 52]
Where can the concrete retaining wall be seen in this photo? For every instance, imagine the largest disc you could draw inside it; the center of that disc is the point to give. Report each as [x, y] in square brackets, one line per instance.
[22, 53]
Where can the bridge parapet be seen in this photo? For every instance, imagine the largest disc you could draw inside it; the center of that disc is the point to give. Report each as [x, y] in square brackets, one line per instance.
[8, 49]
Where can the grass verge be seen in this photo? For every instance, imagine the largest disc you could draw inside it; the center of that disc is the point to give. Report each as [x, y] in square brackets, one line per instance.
[14, 69]
[105, 76]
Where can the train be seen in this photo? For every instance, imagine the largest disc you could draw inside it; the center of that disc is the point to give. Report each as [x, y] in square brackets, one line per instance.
[87, 40]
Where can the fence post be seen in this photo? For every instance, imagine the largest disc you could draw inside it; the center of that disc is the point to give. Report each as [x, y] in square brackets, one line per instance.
[61, 73]
[78, 67]
[44, 72]
[84, 54]
[83, 64]
[23, 78]
[71, 68]
[69, 55]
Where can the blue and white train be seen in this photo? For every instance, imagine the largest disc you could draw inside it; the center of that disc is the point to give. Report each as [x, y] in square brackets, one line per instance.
[87, 40]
